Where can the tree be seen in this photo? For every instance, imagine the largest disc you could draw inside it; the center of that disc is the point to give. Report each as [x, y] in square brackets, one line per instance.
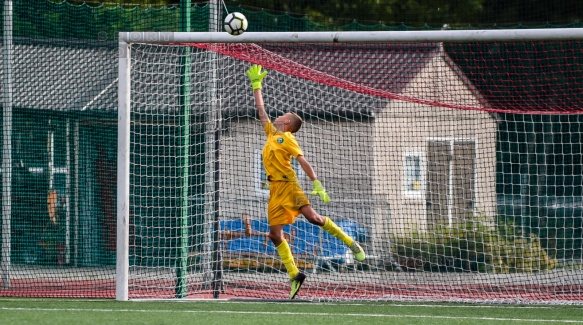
[431, 12]
[532, 12]
[411, 12]
[123, 2]
[434, 13]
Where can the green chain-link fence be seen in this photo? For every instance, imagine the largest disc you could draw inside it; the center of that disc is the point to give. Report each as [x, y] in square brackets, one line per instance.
[64, 129]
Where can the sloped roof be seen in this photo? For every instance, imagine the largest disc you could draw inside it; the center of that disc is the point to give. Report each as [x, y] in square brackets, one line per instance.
[524, 77]
[78, 77]
[63, 78]
[387, 67]
[337, 79]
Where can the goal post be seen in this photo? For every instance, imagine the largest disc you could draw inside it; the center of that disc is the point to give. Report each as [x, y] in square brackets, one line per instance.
[123, 172]
[434, 146]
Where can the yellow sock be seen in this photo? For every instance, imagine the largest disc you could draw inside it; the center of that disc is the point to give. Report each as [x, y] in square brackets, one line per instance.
[337, 232]
[287, 258]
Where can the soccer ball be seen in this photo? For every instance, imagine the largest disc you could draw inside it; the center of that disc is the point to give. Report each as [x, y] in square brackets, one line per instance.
[235, 23]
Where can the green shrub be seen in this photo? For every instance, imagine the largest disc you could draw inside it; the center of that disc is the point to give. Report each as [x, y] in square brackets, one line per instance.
[473, 246]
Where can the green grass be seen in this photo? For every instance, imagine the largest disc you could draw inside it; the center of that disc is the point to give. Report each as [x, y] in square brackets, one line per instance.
[77, 311]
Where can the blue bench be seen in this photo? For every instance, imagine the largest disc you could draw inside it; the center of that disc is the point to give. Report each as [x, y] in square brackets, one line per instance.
[306, 240]
[244, 244]
[249, 244]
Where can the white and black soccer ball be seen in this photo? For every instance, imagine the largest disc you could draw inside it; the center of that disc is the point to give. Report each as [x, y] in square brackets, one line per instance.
[235, 23]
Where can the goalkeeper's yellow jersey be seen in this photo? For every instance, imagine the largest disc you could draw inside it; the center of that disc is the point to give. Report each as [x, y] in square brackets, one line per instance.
[277, 153]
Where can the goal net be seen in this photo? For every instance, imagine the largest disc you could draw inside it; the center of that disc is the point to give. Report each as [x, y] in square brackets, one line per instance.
[456, 163]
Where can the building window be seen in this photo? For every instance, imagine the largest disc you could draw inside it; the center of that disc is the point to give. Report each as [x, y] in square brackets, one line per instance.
[261, 183]
[413, 174]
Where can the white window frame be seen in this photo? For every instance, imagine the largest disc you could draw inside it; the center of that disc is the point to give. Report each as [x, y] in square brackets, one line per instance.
[418, 194]
[259, 173]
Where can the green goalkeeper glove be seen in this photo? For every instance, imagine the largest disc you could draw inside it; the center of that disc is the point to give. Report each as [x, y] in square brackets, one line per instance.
[320, 191]
[255, 75]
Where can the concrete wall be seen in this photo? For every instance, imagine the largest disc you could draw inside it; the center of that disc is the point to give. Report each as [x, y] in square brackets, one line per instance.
[405, 128]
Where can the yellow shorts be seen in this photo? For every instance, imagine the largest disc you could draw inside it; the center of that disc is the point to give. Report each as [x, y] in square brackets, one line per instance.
[285, 201]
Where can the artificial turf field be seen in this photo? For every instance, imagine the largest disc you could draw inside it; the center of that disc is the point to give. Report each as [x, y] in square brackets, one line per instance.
[84, 311]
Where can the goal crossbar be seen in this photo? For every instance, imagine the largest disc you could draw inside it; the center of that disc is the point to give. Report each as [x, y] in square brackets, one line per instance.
[355, 37]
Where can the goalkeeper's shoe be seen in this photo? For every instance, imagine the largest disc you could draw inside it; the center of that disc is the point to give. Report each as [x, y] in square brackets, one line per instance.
[357, 251]
[296, 284]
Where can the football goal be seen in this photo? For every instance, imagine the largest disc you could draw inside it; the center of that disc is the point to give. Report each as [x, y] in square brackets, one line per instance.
[453, 157]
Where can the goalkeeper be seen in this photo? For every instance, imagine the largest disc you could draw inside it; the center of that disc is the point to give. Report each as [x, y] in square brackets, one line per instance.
[286, 198]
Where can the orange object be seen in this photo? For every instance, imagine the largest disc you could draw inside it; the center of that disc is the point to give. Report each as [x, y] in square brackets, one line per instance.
[52, 205]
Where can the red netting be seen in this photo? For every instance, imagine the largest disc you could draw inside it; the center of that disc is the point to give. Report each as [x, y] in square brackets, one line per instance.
[511, 77]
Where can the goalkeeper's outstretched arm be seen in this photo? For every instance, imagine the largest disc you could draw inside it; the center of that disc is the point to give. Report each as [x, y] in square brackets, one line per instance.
[256, 76]
[307, 168]
[318, 187]
[260, 106]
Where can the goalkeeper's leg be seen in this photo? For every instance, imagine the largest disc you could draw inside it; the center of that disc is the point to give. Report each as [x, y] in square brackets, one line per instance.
[296, 277]
[333, 229]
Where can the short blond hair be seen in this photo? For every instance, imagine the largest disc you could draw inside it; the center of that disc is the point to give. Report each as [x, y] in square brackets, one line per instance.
[296, 123]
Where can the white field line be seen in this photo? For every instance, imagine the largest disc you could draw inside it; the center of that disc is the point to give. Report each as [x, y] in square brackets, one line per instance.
[291, 313]
[311, 303]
